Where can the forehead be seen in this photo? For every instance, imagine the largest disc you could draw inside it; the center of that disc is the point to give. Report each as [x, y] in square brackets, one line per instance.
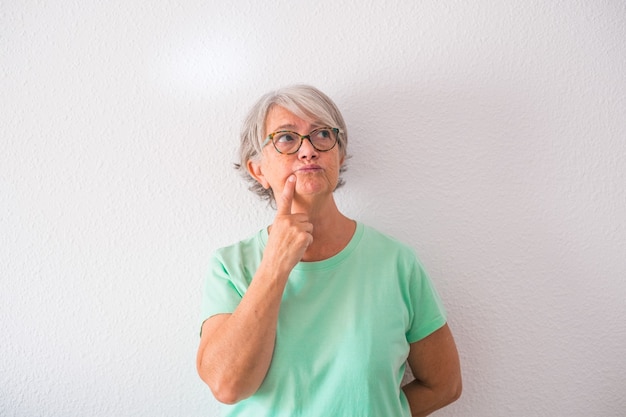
[279, 118]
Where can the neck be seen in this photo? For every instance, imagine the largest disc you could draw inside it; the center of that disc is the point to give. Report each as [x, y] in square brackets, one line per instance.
[332, 230]
[323, 214]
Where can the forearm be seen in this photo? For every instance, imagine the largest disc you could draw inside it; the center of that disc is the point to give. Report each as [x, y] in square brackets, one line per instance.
[424, 400]
[238, 352]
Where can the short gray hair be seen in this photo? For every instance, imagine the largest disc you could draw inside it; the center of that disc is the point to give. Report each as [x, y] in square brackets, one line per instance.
[306, 102]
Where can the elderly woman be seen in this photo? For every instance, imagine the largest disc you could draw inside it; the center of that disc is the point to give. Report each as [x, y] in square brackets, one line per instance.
[318, 314]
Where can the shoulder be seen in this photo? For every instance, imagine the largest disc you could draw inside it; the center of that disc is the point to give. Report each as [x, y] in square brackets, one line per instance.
[383, 249]
[246, 249]
[236, 262]
[385, 242]
[256, 240]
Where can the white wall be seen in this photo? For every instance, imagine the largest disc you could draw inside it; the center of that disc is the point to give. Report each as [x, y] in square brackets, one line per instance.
[489, 135]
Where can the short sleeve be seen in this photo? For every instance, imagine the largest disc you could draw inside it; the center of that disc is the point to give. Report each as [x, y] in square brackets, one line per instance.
[219, 294]
[428, 313]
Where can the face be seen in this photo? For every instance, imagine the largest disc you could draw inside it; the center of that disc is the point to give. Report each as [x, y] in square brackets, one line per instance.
[317, 172]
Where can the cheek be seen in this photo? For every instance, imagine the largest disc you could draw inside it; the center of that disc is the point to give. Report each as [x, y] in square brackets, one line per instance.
[333, 173]
[339, 162]
[275, 174]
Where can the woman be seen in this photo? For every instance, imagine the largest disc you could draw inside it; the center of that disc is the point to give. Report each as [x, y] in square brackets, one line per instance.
[317, 315]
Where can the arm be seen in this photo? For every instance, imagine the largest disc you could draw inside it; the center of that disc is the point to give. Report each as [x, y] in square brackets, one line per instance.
[434, 362]
[236, 349]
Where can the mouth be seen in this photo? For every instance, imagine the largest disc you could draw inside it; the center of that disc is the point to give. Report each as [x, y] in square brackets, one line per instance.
[309, 168]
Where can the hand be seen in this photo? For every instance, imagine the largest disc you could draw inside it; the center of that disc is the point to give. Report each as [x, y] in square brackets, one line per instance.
[291, 233]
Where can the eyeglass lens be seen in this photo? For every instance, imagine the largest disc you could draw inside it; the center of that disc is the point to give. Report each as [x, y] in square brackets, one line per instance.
[323, 139]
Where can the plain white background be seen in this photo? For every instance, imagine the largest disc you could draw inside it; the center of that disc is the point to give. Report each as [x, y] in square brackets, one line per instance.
[488, 135]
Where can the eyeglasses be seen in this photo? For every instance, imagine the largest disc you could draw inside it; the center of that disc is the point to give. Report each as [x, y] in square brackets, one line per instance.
[323, 139]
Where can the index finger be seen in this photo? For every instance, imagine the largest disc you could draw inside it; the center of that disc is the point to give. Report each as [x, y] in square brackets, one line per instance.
[283, 204]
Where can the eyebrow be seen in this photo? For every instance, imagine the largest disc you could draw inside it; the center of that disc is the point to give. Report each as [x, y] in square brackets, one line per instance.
[293, 128]
[285, 127]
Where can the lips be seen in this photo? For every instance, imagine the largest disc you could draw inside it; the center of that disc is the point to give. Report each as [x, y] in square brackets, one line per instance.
[309, 168]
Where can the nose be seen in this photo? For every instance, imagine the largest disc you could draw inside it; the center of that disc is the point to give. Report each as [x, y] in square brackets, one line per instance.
[307, 151]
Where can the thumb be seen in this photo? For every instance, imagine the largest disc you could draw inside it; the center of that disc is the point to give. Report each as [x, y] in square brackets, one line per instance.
[283, 204]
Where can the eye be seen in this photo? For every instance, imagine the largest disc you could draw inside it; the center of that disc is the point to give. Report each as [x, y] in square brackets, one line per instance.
[284, 137]
[323, 134]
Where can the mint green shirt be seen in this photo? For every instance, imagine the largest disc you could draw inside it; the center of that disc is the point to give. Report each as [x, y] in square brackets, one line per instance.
[344, 327]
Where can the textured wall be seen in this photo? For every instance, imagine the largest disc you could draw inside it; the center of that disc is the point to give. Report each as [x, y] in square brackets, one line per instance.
[490, 136]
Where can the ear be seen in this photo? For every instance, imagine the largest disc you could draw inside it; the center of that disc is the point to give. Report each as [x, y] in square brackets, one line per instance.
[255, 170]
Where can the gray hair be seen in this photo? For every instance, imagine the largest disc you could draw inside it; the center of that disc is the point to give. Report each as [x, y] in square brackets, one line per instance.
[306, 102]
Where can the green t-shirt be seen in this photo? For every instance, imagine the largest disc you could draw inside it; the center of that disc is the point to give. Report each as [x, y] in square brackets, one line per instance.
[344, 327]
